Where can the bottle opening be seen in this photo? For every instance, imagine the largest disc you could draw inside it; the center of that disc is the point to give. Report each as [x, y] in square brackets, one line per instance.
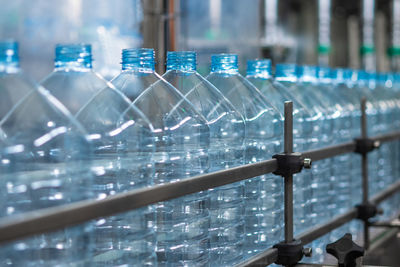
[73, 55]
[226, 63]
[141, 59]
[286, 72]
[8, 55]
[181, 60]
[259, 68]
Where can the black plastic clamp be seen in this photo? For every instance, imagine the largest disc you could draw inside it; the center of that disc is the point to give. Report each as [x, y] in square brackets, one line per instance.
[365, 145]
[289, 254]
[346, 251]
[289, 164]
[366, 211]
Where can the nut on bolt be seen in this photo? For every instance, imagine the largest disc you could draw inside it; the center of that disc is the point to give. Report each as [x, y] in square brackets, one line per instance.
[307, 252]
[307, 163]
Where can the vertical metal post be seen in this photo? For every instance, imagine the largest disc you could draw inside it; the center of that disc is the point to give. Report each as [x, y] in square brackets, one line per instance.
[288, 148]
[364, 166]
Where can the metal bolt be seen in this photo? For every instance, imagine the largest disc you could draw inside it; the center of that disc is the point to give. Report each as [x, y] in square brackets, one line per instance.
[307, 252]
[307, 163]
[377, 144]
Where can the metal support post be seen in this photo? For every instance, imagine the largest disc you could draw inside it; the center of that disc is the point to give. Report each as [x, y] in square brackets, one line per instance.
[288, 149]
[364, 166]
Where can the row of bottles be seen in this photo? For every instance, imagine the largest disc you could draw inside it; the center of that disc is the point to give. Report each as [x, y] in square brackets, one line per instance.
[77, 136]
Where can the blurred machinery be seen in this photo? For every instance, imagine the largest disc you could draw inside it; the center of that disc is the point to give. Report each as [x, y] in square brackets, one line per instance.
[357, 34]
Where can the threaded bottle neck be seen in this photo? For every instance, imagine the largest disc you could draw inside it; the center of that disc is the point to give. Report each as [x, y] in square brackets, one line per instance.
[341, 75]
[260, 68]
[138, 59]
[9, 60]
[76, 56]
[225, 63]
[181, 61]
[285, 72]
[324, 75]
[307, 73]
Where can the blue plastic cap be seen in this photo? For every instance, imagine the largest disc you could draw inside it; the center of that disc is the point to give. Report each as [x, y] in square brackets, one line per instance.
[362, 75]
[181, 60]
[306, 71]
[324, 73]
[138, 59]
[341, 75]
[259, 68]
[79, 55]
[9, 53]
[284, 71]
[226, 63]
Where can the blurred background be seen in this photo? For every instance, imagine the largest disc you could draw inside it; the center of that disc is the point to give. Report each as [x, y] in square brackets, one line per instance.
[338, 33]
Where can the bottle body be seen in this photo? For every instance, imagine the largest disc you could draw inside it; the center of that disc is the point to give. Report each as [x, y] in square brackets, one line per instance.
[181, 138]
[226, 150]
[123, 147]
[47, 162]
[264, 194]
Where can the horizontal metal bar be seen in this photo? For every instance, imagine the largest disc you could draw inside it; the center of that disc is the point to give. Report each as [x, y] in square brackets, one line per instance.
[264, 258]
[330, 151]
[387, 137]
[388, 192]
[319, 231]
[50, 219]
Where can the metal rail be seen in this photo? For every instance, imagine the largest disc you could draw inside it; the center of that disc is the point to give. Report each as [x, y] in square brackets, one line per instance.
[50, 219]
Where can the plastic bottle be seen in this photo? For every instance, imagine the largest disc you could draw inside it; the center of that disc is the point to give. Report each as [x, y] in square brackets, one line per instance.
[14, 85]
[264, 129]
[181, 143]
[47, 159]
[259, 74]
[123, 145]
[73, 81]
[227, 132]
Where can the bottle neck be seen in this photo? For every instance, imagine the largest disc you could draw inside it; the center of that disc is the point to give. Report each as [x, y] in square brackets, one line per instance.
[138, 59]
[73, 57]
[182, 61]
[259, 69]
[9, 60]
[285, 73]
[226, 64]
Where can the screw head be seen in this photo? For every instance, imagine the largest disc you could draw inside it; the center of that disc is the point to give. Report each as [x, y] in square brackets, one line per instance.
[377, 144]
[307, 252]
[307, 163]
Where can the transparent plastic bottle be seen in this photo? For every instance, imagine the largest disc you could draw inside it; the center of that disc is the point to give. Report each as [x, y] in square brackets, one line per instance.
[123, 144]
[14, 85]
[264, 131]
[73, 81]
[259, 74]
[45, 164]
[181, 143]
[227, 132]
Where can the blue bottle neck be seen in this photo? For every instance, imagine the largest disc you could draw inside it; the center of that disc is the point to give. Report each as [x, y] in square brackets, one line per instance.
[182, 61]
[259, 68]
[286, 73]
[307, 74]
[77, 57]
[138, 59]
[9, 60]
[226, 64]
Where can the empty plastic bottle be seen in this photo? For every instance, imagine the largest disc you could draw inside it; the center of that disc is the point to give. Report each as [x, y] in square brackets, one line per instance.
[259, 74]
[14, 85]
[264, 129]
[227, 132]
[73, 81]
[46, 165]
[123, 145]
[181, 143]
